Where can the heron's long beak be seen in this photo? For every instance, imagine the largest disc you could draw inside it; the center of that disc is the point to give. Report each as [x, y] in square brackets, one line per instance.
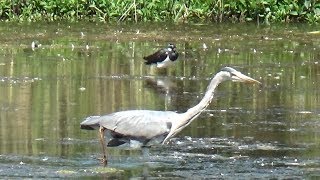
[243, 78]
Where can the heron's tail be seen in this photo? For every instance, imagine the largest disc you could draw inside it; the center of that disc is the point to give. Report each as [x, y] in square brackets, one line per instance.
[90, 123]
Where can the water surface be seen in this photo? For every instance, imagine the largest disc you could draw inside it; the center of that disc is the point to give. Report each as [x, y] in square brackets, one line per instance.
[83, 69]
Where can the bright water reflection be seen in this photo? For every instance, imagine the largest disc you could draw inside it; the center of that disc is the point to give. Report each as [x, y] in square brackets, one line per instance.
[88, 69]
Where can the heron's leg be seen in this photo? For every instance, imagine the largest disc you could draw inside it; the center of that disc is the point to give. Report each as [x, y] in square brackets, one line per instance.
[104, 159]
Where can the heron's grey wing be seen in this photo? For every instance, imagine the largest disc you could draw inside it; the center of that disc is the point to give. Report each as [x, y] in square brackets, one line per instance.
[142, 124]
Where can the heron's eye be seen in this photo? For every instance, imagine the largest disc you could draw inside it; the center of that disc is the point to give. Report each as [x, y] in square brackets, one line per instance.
[233, 75]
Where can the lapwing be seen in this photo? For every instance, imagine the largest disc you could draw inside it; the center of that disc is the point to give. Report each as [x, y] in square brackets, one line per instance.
[163, 57]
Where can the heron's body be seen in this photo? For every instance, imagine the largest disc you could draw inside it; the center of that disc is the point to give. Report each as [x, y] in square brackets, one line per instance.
[163, 57]
[149, 127]
[141, 128]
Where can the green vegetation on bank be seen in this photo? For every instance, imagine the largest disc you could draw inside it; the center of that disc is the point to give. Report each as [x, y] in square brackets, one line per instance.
[157, 10]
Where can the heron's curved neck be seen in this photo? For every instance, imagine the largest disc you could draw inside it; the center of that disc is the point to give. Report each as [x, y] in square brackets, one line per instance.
[203, 104]
[192, 113]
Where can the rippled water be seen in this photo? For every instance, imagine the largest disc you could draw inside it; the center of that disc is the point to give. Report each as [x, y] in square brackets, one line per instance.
[248, 131]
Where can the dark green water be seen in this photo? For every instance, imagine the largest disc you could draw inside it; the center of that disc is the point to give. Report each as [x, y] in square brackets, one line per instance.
[248, 131]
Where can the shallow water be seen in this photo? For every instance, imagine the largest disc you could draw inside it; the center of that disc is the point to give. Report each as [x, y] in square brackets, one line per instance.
[81, 69]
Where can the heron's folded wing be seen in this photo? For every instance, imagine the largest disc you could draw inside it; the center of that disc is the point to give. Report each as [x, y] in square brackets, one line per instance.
[139, 123]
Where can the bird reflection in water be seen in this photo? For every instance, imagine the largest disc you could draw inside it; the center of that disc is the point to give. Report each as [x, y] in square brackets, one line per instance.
[163, 86]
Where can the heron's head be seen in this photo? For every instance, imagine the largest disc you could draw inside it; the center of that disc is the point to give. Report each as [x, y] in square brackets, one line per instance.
[236, 76]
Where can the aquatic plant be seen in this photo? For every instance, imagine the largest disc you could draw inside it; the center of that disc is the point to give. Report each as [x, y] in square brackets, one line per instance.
[156, 10]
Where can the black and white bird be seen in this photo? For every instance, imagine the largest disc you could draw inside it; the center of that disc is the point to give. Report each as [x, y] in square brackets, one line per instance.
[163, 57]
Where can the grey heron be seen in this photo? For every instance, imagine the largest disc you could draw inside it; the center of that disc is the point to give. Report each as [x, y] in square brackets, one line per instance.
[147, 127]
[163, 57]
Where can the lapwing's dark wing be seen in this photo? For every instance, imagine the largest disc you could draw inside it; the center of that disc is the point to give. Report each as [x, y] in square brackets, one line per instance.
[158, 56]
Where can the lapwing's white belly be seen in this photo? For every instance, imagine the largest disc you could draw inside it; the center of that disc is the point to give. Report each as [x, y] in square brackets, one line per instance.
[167, 62]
